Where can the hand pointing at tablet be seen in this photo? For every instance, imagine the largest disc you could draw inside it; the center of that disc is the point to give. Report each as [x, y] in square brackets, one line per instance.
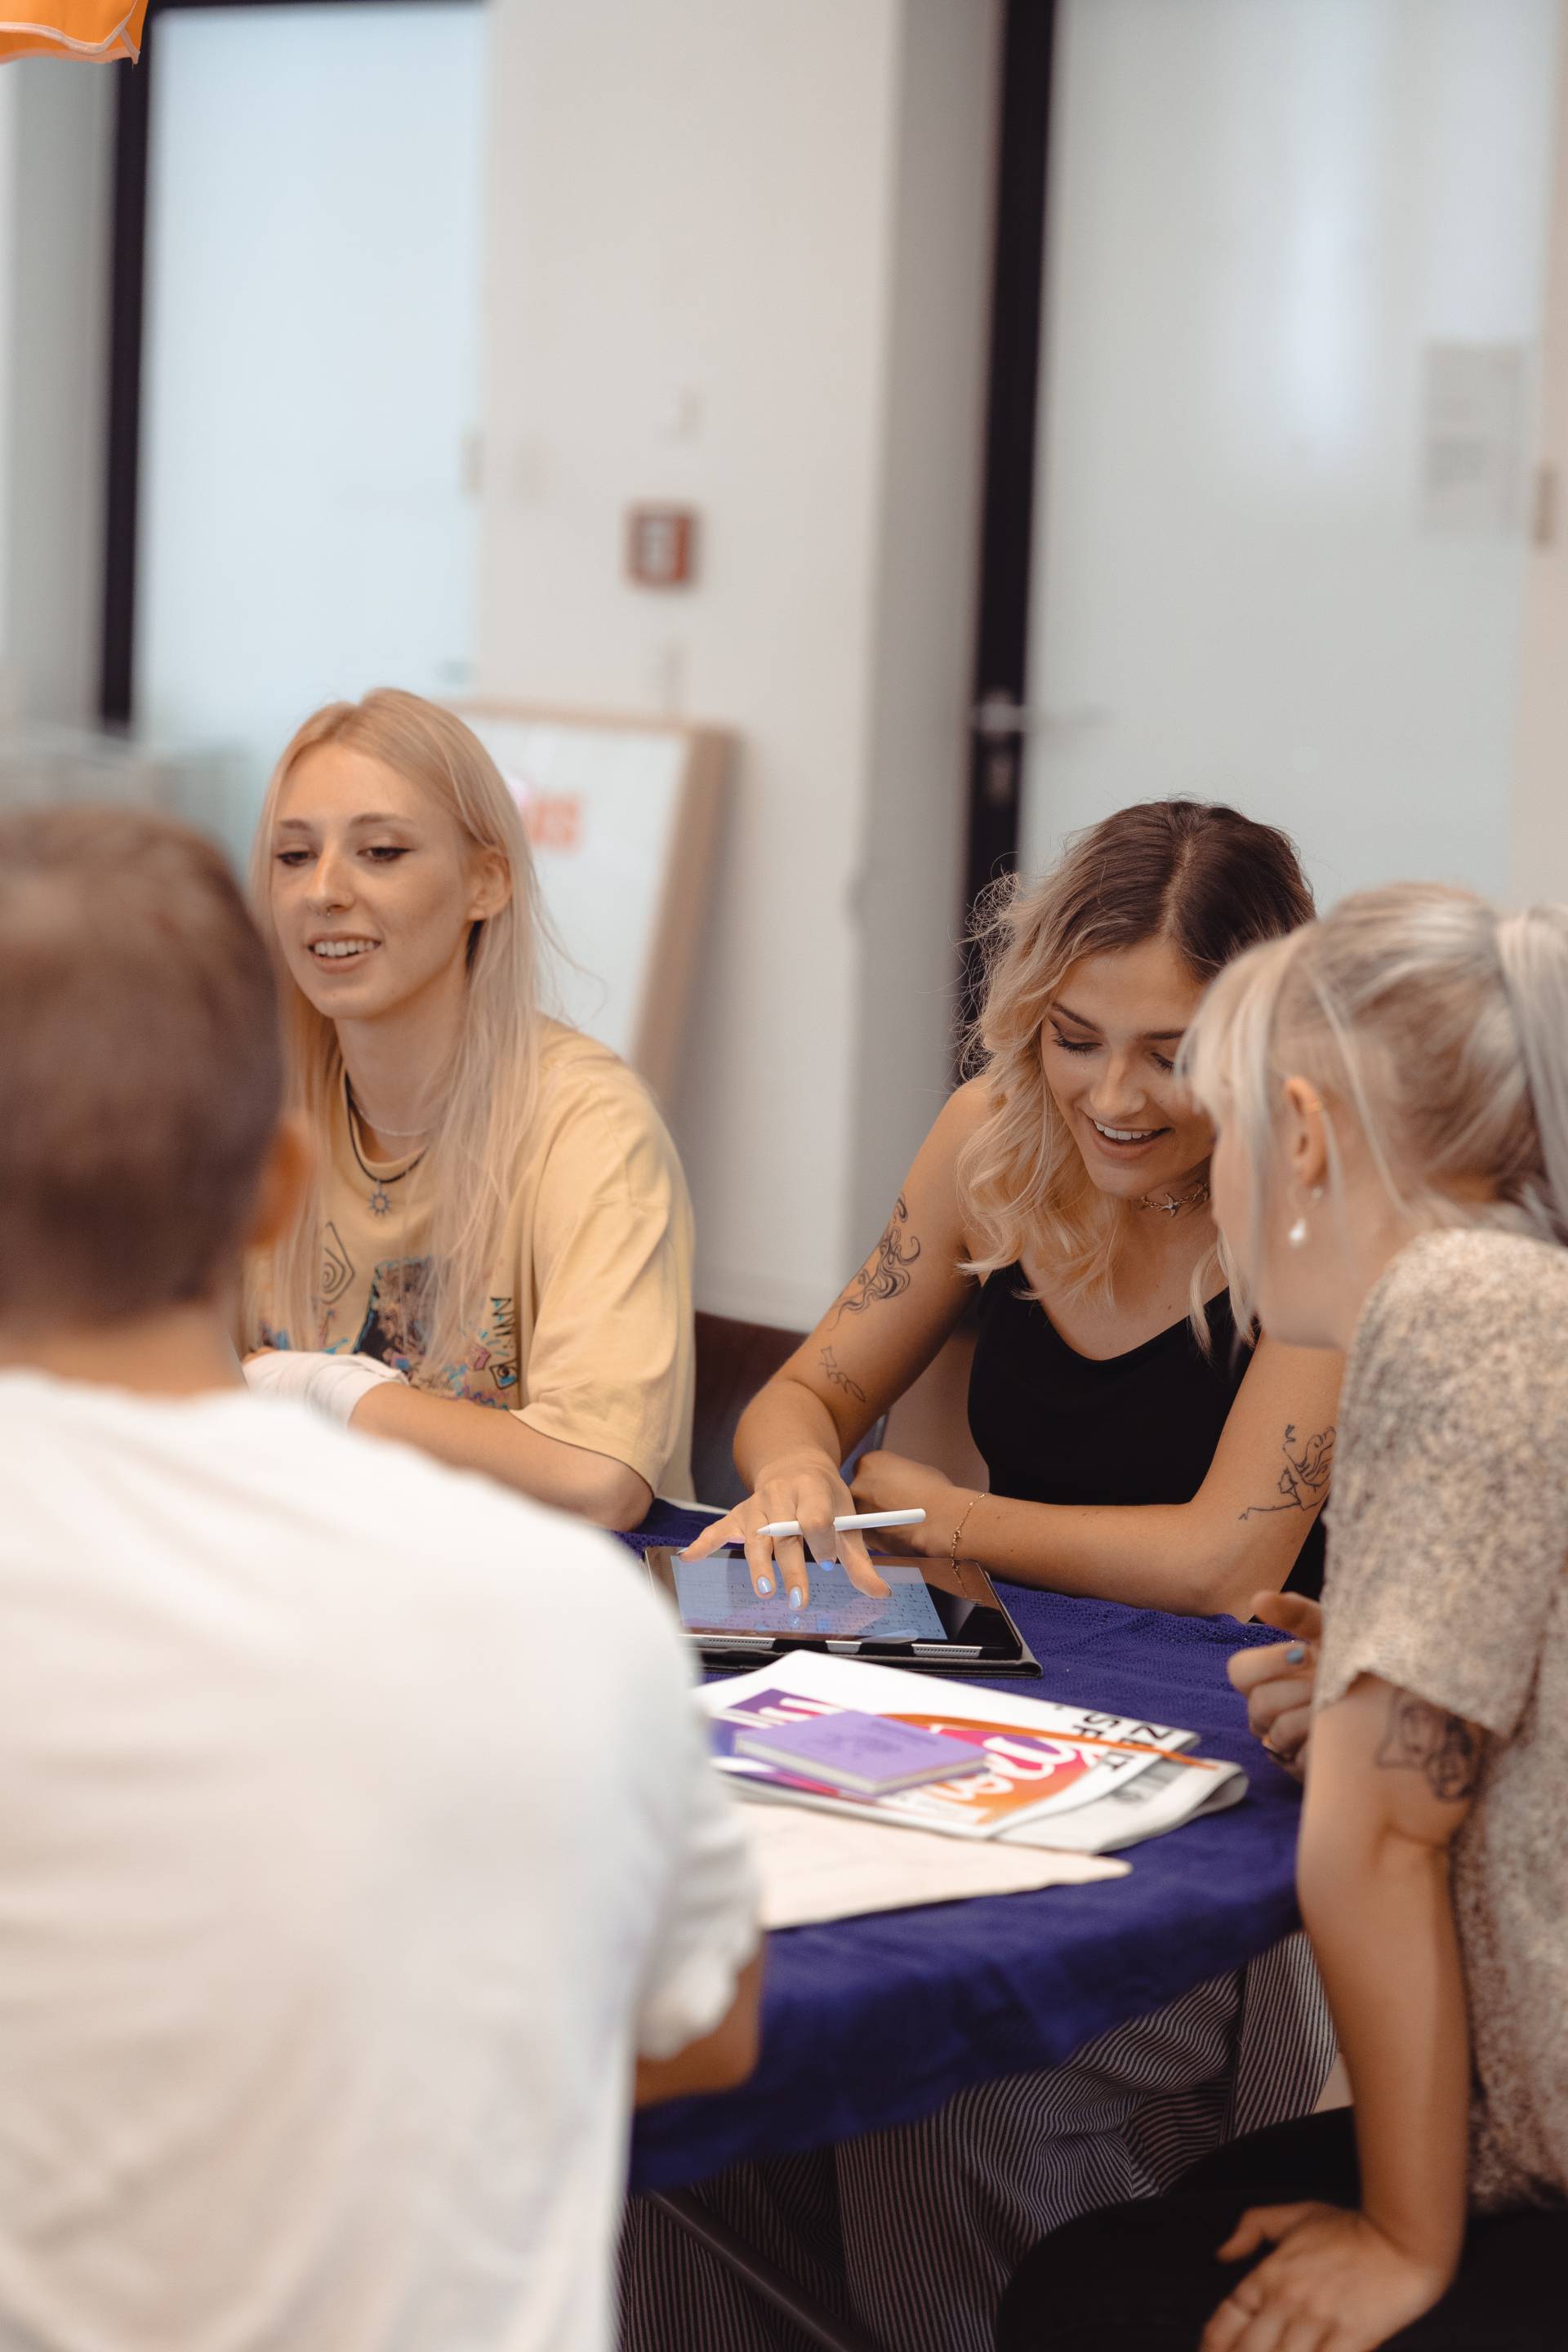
[806, 1488]
[819, 1408]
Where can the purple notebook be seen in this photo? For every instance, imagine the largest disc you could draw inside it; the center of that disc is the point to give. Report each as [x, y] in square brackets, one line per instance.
[868, 1753]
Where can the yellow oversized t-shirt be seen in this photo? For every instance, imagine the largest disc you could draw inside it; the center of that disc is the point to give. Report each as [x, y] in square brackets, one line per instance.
[586, 1330]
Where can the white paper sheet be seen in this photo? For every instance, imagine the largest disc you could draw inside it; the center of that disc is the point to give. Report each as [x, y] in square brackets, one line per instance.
[816, 1867]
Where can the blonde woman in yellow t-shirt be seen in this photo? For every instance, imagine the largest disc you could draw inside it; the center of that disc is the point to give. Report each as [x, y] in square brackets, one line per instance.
[497, 1218]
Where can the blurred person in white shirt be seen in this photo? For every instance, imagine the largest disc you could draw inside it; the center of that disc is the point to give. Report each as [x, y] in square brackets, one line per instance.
[359, 1849]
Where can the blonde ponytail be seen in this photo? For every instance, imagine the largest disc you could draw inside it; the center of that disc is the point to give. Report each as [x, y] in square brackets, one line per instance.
[1533, 949]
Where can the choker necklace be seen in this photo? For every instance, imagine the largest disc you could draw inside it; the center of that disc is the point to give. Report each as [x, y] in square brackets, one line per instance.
[379, 1201]
[1173, 1203]
[398, 1134]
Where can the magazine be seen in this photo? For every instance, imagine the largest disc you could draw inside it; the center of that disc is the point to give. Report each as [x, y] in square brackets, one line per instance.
[1054, 1772]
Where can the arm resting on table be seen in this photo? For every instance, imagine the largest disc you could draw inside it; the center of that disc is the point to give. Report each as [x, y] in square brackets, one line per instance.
[476, 1437]
[1242, 1529]
[720, 2061]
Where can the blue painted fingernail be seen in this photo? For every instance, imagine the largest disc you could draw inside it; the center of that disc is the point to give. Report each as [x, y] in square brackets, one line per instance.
[763, 1585]
[795, 1596]
[1294, 1654]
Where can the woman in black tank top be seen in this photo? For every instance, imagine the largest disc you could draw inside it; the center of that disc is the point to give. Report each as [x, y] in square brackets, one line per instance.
[1128, 1457]
[1052, 1426]
[1062, 1196]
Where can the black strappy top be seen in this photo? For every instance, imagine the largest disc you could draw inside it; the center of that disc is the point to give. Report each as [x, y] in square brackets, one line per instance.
[1053, 1426]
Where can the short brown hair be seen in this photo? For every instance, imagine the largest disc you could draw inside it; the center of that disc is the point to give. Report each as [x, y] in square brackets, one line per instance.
[140, 1072]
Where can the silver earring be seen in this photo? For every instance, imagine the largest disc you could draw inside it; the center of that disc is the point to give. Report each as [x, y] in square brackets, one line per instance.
[1297, 1233]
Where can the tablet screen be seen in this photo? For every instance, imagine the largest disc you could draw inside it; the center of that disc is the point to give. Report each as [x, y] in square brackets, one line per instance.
[716, 1596]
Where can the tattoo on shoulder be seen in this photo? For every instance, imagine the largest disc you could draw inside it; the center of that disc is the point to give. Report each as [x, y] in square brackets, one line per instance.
[887, 1271]
[1445, 1749]
[834, 1371]
[1304, 1480]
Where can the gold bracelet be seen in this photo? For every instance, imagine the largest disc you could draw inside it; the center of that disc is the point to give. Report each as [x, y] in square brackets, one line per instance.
[952, 1556]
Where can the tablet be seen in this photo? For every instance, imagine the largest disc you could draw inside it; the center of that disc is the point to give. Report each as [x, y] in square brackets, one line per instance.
[937, 1615]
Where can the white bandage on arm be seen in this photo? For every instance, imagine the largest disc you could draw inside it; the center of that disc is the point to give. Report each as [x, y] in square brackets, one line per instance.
[332, 1384]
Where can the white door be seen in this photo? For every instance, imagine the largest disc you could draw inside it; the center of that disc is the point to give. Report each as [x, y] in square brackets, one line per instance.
[1294, 300]
[310, 377]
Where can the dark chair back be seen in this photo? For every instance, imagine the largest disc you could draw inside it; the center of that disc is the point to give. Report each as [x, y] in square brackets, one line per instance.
[733, 1361]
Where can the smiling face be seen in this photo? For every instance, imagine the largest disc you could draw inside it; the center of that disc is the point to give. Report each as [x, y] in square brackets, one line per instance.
[375, 887]
[1108, 1048]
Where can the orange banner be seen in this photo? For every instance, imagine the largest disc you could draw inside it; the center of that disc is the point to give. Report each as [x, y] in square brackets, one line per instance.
[99, 30]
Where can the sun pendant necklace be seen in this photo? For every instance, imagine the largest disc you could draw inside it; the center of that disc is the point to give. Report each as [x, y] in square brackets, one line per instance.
[380, 1201]
[1173, 1204]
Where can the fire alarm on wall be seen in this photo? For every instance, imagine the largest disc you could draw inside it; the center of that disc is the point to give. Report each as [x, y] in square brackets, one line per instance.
[661, 546]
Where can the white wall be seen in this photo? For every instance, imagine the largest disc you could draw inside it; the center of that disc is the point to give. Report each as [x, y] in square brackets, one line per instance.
[1263, 214]
[713, 278]
[1540, 829]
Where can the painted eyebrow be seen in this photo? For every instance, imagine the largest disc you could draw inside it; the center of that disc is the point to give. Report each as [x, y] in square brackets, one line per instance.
[1151, 1036]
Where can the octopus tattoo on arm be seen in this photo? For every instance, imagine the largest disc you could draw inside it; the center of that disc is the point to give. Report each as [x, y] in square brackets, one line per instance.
[886, 1272]
[1304, 1481]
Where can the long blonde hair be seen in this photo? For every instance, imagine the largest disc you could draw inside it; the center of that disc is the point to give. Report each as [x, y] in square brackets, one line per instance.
[1200, 875]
[492, 1090]
[1437, 1024]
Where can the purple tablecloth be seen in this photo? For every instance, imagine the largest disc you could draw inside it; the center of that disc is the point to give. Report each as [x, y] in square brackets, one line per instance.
[875, 2022]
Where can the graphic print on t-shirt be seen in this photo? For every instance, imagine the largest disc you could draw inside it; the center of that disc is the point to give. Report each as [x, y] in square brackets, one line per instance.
[393, 1331]
[337, 1266]
[488, 1374]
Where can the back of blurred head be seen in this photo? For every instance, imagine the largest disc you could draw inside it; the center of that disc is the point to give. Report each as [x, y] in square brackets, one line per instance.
[139, 1069]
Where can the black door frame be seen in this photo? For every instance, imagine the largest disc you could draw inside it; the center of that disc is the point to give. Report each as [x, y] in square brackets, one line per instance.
[1002, 625]
[127, 304]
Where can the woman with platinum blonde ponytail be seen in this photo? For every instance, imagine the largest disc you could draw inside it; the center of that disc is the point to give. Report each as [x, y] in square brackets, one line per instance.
[1390, 1089]
[1440, 1028]
[498, 1217]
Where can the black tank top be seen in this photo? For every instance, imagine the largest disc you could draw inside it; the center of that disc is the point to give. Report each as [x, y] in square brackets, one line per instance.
[1053, 1426]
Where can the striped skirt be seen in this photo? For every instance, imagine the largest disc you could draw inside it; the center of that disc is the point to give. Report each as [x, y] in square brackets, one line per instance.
[912, 2234]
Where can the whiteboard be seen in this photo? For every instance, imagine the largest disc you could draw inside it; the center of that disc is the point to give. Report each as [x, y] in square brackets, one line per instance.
[621, 820]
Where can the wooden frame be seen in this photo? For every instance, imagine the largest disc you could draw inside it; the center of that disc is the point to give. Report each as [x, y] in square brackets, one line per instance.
[652, 1040]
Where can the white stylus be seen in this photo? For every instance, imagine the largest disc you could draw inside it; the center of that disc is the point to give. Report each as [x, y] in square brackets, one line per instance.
[850, 1519]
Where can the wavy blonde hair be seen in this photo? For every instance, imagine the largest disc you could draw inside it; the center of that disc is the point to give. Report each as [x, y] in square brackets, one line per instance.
[491, 1090]
[1202, 875]
[1435, 1023]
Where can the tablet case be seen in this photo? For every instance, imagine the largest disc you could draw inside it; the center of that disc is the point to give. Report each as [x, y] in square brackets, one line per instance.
[735, 1653]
